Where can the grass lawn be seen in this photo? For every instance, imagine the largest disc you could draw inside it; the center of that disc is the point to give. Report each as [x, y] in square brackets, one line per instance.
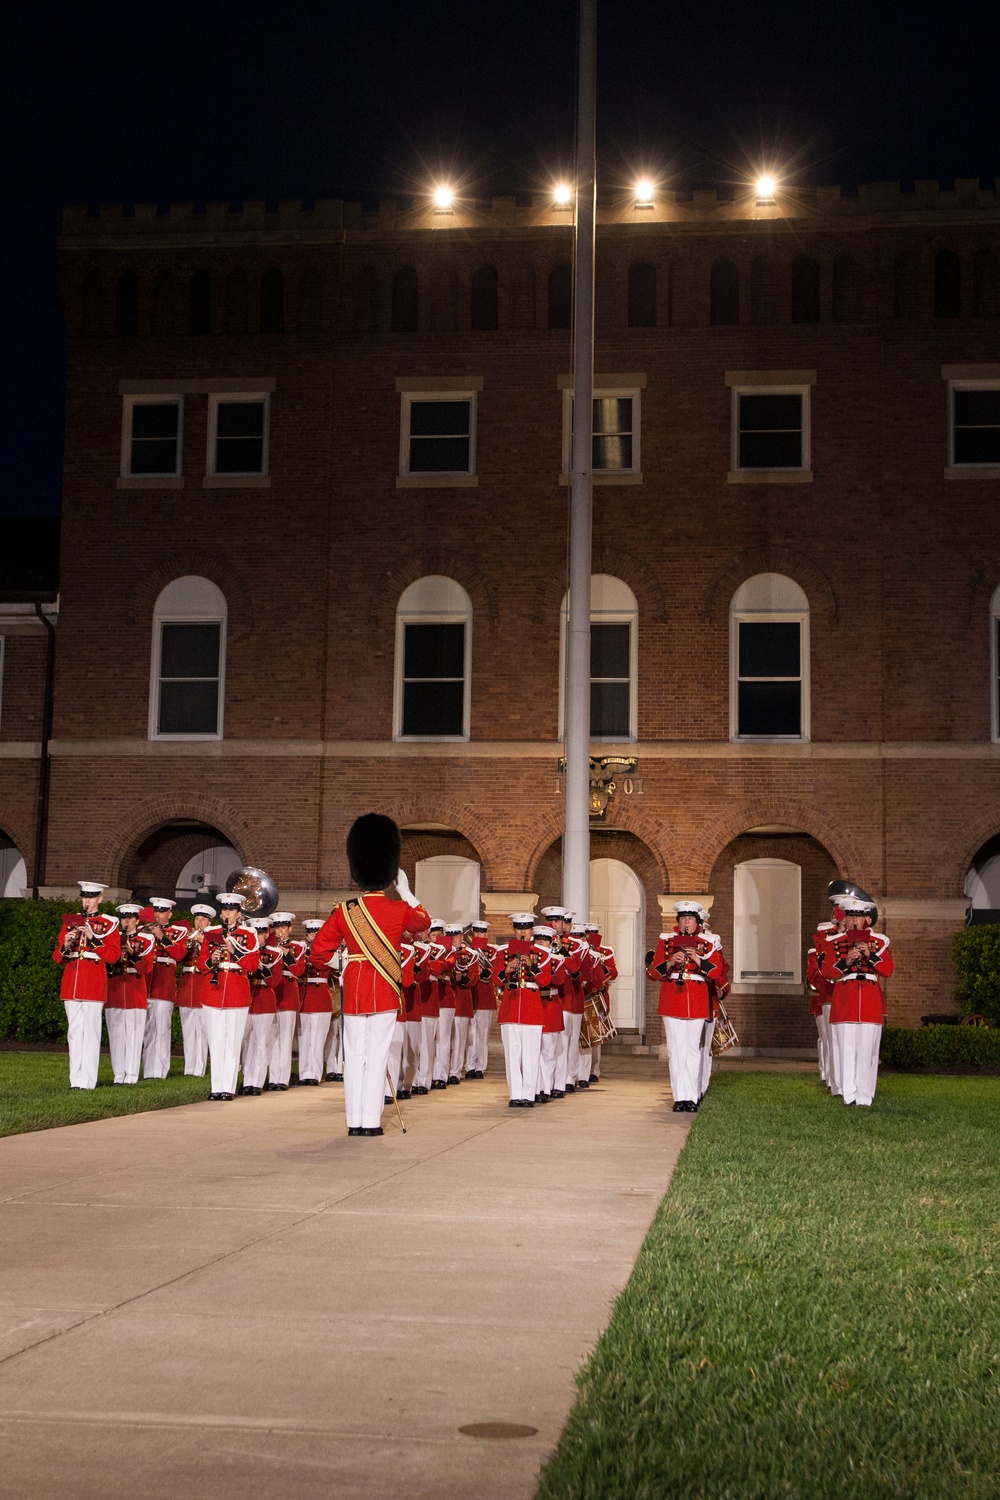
[816, 1309]
[35, 1093]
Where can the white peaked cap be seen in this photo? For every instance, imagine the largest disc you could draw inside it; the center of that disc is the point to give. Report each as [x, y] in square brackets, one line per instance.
[480, 926]
[202, 911]
[853, 905]
[543, 931]
[559, 912]
[455, 928]
[436, 925]
[281, 918]
[91, 887]
[230, 898]
[162, 903]
[259, 924]
[128, 909]
[689, 909]
[313, 924]
[522, 919]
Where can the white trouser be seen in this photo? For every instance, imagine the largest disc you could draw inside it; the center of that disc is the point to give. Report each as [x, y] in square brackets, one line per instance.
[822, 1046]
[411, 1050]
[833, 1076]
[572, 1024]
[685, 1058]
[706, 1059]
[856, 1044]
[314, 1025]
[426, 1051]
[280, 1061]
[395, 1064]
[478, 1054]
[595, 1061]
[335, 1046]
[522, 1046]
[114, 1020]
[442, 1055]
[156, 1042]
[559, 1079]
[367, 1040]
[195, 1047]
[224, 1034]
[83, 1021]
[459, 1046]
[547, 1061]
[258, 1039]
[583, 1070]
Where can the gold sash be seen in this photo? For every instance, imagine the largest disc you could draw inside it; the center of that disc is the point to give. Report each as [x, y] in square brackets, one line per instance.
[374, 944]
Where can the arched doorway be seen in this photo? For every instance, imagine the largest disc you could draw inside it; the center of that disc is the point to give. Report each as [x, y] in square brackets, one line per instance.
[618, 903]
[13, 870]
[982, 883]
[448, 886]
[183, 859]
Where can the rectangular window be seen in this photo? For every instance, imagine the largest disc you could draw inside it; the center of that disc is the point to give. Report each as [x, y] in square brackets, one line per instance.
[610, 678]
[189, 678]
[770, 430]
[975, 424]
[438, 433]
[151, 433]
[433, 680]
[614, 433]
[769, 685]
[238, 434]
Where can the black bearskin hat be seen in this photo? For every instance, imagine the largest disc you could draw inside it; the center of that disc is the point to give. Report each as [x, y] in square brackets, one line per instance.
[373, 848]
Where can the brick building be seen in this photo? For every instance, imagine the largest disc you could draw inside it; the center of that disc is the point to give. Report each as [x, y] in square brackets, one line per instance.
[315, 554]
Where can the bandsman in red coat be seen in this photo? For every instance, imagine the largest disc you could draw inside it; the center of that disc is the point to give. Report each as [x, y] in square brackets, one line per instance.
[521, 970]
[820, 993]
[604, 972]
[262, 1022]
[229, 954]
[171, 950]
[125, 1008]
[397, 1047]
[189, 984]
[718, 989]
[464, 980]
[372, 927]
[856, 961]
[293, 966]
[445, 968]
[484, 1001]
[686, 963]
[88, 941]
[411, 1012]
[430, 955]
[315, 1010]
[553, 1026]
[335, 1041]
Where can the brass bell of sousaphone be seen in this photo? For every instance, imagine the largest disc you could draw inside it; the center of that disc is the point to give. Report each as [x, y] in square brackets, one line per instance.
[259, 892]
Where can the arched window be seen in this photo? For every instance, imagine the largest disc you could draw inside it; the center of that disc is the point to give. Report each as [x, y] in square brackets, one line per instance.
[845, 289]
[947, 285]
[614, 657]
[445, 297]
[200, 303]
[164, 304]
[483, 300]
[92, 305]
[764, 299]
[724, 293]
[560, 297]
[309, 301]
[364, 313]
[805, 290]
[767, 923]
[433, 661]
[906, 285]
[236, 298]
[522, 297]
[404, 300]
[272, 301]
[127, 305]
[769, 660]
[188, 668]
[642, 295]
[986, 285]
[684, 307]
[13, 871]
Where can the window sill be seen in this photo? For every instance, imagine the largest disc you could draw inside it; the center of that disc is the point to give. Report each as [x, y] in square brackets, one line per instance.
[150, 481]
[769, 476]
[176, 739]
[605, 478]
[437, 481]
[431, 739]
[972, 471]
[769, 739]
[236, 482]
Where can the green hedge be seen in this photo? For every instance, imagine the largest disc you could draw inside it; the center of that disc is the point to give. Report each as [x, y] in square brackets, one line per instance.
[976, 953]
[933, 1047]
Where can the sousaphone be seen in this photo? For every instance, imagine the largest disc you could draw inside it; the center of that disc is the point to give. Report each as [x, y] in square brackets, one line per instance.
[259, 892]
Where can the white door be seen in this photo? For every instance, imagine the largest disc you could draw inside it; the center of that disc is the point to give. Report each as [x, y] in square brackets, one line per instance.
[448, 887]
[767, 922]
[617, 901]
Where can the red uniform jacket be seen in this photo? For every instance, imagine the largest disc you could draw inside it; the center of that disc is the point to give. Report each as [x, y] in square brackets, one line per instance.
[485, 997]
[424, 992]
[264, 982]
[687, 997]
[856, 992]
[189, 981]
[229, 987]
[552, 1003]
[575, 951]
[520, 993]
[85, 976]
[315, 995]
[819, 987]
[171, 950]
[293, 967]
[465, 978]
[366, 993]
[127, 977]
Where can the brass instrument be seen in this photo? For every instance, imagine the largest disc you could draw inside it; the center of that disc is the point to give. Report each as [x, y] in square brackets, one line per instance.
[259, 891]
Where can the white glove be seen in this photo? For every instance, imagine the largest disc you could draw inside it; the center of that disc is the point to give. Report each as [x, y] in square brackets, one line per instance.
[403, 887]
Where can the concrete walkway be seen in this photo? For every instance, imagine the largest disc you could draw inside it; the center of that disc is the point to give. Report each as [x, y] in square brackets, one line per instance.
[238, 1300]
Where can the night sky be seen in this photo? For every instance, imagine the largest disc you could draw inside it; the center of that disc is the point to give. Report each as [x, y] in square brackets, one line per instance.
[108, 102]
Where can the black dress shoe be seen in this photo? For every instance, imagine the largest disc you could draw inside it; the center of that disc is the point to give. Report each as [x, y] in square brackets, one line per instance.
[439, 1083]
[354, 1130]
[571, 1088]
[216, 1096]
[250, 1093]
[539, 1098]
[227, 1096]
[527, 1103]
[514, 1104]
[309, 1083]
[558, 1093]
[272, 1088]
[453, 1079]
[594, 1078]
[387, 1099]
[282, 1088]
[372, 1130]
[418, 1091]
[337, 1077]
[331, 1078]
[678, 1107]
[582, 1085]
[402, 1093]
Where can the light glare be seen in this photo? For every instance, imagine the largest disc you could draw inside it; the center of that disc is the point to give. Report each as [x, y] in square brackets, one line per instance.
[767, 185]
[444, 197]
[644, 190]
[562, 194]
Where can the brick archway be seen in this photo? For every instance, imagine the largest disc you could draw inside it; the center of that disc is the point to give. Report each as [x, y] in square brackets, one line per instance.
[818, 587]
[463, 822]
[963, 851]
[430, 563]
[717, 834]
[121, 846]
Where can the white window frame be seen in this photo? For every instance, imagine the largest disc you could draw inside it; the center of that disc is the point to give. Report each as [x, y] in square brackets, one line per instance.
[406, 400]
[167, 616]
[788, 986]
[738, 391]
[604, 617]
[967, 385]
[238, 398]
[769, 617]
[995, 667]
[432, 617]
[129, 403]
[606, 393]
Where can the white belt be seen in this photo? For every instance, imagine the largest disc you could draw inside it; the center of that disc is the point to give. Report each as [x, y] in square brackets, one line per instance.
[230, 969]
[317, 981]
[94, 958]
[131, 971]
[162, 960]
[190, 969]
[286, 975]
[525, 986]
